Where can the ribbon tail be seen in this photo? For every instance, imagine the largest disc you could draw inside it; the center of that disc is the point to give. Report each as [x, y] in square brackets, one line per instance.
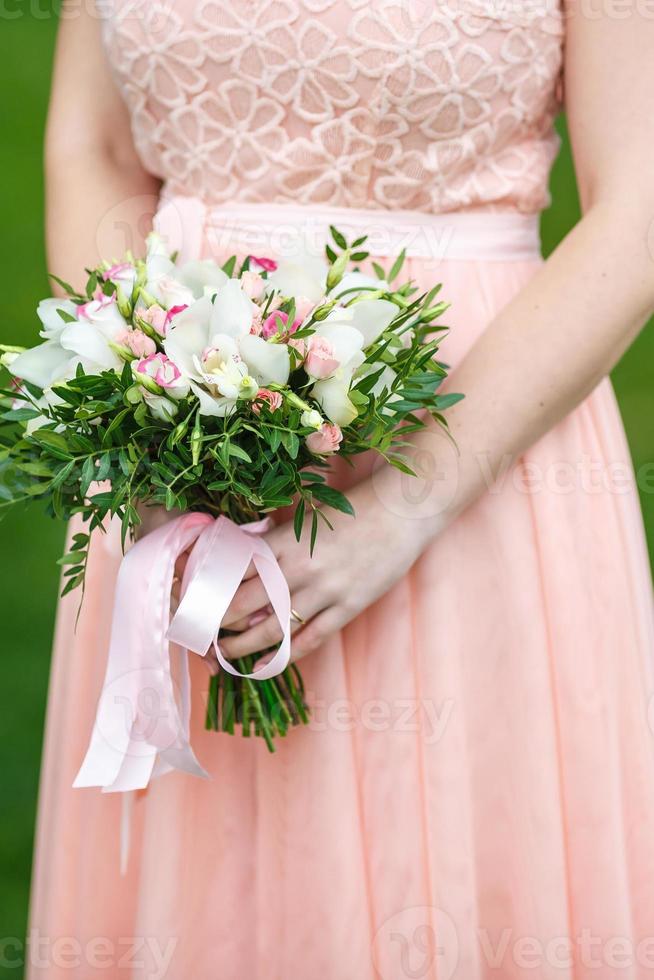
[138, 719]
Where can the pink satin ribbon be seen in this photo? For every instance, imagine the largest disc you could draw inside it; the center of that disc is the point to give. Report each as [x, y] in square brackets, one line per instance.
[142, 723]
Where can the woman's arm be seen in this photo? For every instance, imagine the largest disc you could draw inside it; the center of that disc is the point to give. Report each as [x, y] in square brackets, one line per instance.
[99, 199]
[562, 334]
[539, 358]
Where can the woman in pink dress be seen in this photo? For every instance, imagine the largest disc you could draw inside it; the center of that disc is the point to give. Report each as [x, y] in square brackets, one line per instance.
[475, 795]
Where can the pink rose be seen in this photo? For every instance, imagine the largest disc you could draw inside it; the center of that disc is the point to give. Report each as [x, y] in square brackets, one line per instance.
[252, 284]
[257, 324]
[268, 265]
[277, 324]
[168, 291]
[326, 440]
[320, 361]
[157, 317]
[272, 399]
[160, 369]
[137, 342]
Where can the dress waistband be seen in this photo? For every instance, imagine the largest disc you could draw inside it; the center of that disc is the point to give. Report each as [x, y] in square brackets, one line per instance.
[193, 228]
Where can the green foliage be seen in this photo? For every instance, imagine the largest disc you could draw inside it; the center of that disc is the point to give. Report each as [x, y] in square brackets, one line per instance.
[93, 448]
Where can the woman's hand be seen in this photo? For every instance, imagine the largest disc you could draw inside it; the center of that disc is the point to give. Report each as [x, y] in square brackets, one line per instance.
[351, 567]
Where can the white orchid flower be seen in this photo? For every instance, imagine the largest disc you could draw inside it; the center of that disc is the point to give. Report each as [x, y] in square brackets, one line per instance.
[269, 363]
[232, 309]
[225, 378]
[43, 365]
[349, 330]
[89, 346]
[333, 397]
[203, 277]
[85, 341]
[171, 285]
[103, 314]
[48, 313]
[212, 346]
[345, 342]
[163, 284]
[371, 317]
[302, 275]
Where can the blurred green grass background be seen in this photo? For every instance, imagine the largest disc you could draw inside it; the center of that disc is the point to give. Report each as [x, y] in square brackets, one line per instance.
[30, 542]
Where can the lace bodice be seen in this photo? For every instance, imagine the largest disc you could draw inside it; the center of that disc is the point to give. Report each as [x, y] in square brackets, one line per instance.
[431, 105]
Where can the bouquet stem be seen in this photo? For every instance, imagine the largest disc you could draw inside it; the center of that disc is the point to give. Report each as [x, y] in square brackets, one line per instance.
[272, 706]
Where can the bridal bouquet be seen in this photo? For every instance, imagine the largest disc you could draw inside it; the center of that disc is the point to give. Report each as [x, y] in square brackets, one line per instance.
[222, 392]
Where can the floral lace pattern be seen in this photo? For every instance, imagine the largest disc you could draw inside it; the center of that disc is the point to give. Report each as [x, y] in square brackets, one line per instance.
[407, 104]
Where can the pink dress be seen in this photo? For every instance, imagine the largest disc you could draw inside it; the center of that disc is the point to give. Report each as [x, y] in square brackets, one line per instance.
[475, 796]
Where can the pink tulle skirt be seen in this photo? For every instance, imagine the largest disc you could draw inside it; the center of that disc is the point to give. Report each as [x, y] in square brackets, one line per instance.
[475, 795]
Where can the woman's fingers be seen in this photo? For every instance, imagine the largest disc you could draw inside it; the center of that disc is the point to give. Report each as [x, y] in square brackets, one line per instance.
[252, 620]
[249, 598]
[268, 632]
[317, 631]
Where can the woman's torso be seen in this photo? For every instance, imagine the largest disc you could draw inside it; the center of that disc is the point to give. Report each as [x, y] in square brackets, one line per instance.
[428, 106]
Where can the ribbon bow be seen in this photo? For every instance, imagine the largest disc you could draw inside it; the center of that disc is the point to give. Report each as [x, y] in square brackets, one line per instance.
[141, 728]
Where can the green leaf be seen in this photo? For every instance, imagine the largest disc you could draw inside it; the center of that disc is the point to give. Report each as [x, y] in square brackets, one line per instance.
[298, 519]
[62, 475]
[368, 382]
[88, 475]
[104, 467]
[340, 240]
[36, 469]
[72, 558]
[274, 440]
[239, 453]
[20, 414]
[228, 267]
[446, 401]
[54, 440]
[71, 584]
[397, 265]
[66, 317]
[67, 288]
[68, 395]
[314, 531]
[113, 425]
[91, 284]
[401, 465]
[333, 498]
[222, 452]
[291, 443]
[124, 463]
